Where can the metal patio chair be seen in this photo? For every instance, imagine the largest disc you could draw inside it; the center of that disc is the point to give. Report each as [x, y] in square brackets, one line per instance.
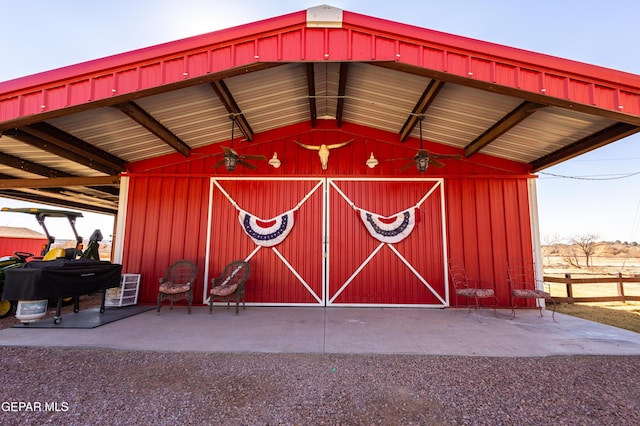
[523, 285]
[177, 283]
[230, 284]
[470, 289]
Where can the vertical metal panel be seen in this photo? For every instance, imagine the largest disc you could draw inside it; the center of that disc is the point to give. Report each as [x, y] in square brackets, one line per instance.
[488, 224]
[29, 245]
[165, 223]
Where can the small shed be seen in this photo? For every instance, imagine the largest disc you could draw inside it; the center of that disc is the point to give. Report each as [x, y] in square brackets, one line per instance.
[20, 239]
[346, 157]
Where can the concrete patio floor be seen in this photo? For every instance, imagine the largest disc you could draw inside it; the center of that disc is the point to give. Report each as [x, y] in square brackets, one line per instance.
[342, 331]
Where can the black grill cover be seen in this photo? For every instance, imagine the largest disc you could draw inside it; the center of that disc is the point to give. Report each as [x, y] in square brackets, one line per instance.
[60, 278]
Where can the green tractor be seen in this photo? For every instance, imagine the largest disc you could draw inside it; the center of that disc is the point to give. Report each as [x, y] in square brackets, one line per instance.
[19, 259]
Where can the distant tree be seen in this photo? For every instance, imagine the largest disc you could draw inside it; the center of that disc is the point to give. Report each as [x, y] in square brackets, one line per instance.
[587, 243]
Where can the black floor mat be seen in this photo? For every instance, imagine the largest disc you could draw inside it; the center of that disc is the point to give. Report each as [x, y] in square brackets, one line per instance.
[89, 318]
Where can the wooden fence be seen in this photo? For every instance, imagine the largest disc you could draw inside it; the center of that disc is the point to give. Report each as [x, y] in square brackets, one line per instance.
[619, 281]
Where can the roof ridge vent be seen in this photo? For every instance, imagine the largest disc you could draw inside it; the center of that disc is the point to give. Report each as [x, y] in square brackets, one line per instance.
[324, 16]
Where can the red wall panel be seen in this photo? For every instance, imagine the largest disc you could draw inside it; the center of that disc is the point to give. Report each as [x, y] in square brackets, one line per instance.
[165, 223]
[29, 245]
[487, 216]
[488, 223]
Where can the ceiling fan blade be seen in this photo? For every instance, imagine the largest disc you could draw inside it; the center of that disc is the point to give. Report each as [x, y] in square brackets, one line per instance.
[247, 165]
[399, 159]
[218, 164]
[456, 157]
[436, 163]
[228, 150]
[253, 157]
[406, 166]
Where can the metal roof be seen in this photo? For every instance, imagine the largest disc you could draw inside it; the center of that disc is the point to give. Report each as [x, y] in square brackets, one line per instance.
[67, 134]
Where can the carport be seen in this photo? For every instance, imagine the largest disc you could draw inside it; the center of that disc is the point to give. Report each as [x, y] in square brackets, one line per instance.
[140, 135]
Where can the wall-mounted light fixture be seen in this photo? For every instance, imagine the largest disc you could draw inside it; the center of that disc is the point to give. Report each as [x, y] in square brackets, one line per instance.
[274, 161]
[372, 161]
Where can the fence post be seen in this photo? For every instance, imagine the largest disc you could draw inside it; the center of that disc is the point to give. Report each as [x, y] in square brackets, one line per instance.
[620, 287]
[567, 278]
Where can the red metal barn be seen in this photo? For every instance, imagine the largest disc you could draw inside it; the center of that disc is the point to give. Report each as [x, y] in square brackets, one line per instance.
[454, 130]
[20, 239]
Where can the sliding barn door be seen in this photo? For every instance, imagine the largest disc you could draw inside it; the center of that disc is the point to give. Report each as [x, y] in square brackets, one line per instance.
[276, 225]
[329, 242]
[386, 243]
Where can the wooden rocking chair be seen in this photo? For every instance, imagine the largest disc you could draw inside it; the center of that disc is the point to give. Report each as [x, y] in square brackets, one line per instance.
[177, 283]
[230, 284]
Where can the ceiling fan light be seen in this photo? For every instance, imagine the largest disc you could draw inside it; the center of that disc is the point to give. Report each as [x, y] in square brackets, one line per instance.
[230, 162]
[372, 161]
[422, 162]
[275, 161]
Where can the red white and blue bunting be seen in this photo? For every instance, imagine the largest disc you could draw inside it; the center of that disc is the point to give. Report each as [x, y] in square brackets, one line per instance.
[390, 229]
[266, 233]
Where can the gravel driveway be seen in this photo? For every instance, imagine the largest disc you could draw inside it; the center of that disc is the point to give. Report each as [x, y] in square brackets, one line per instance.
[89, 387]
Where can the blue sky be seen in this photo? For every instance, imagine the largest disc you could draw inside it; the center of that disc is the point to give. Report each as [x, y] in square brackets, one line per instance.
[595, 193]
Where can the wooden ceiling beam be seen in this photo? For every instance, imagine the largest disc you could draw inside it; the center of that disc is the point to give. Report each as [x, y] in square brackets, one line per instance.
[73, 144]
[47, 172]
[311, 89]
[30, 166]
[143, 118]
[342, 89]
[227, 99]
[427, 97]
[603, 137]
[28, 138]
[506, 123]
[14, 183]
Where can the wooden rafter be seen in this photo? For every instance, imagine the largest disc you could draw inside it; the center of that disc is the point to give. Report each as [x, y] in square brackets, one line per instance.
[598, 139]
[73, 144]
[342, 89]
[311, 89]
[39, 169]
[505, 124]
[225, 96]
[427, 97]
[140, 116]
[27, 137]
[36, 183]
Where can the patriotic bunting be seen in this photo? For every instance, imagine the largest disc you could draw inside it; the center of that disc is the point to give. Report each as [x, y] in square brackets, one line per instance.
[390, 229]
[266, 233]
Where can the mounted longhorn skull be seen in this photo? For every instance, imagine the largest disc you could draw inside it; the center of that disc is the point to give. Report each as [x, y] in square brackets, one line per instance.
[324, 150]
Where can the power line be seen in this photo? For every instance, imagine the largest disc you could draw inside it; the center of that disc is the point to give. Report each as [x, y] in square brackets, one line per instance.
[614, 177]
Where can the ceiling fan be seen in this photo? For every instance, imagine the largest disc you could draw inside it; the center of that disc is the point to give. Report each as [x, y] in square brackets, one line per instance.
[231, 158]
[423, 158]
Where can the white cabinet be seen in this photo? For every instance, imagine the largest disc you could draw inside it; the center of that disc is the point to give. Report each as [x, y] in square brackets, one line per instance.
[126, 294]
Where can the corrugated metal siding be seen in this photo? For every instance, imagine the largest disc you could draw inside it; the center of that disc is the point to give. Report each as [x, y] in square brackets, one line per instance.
[548, 128]
[488, 223]
[29, 245]
[166, 221]
[391, 94]
[487, 218]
